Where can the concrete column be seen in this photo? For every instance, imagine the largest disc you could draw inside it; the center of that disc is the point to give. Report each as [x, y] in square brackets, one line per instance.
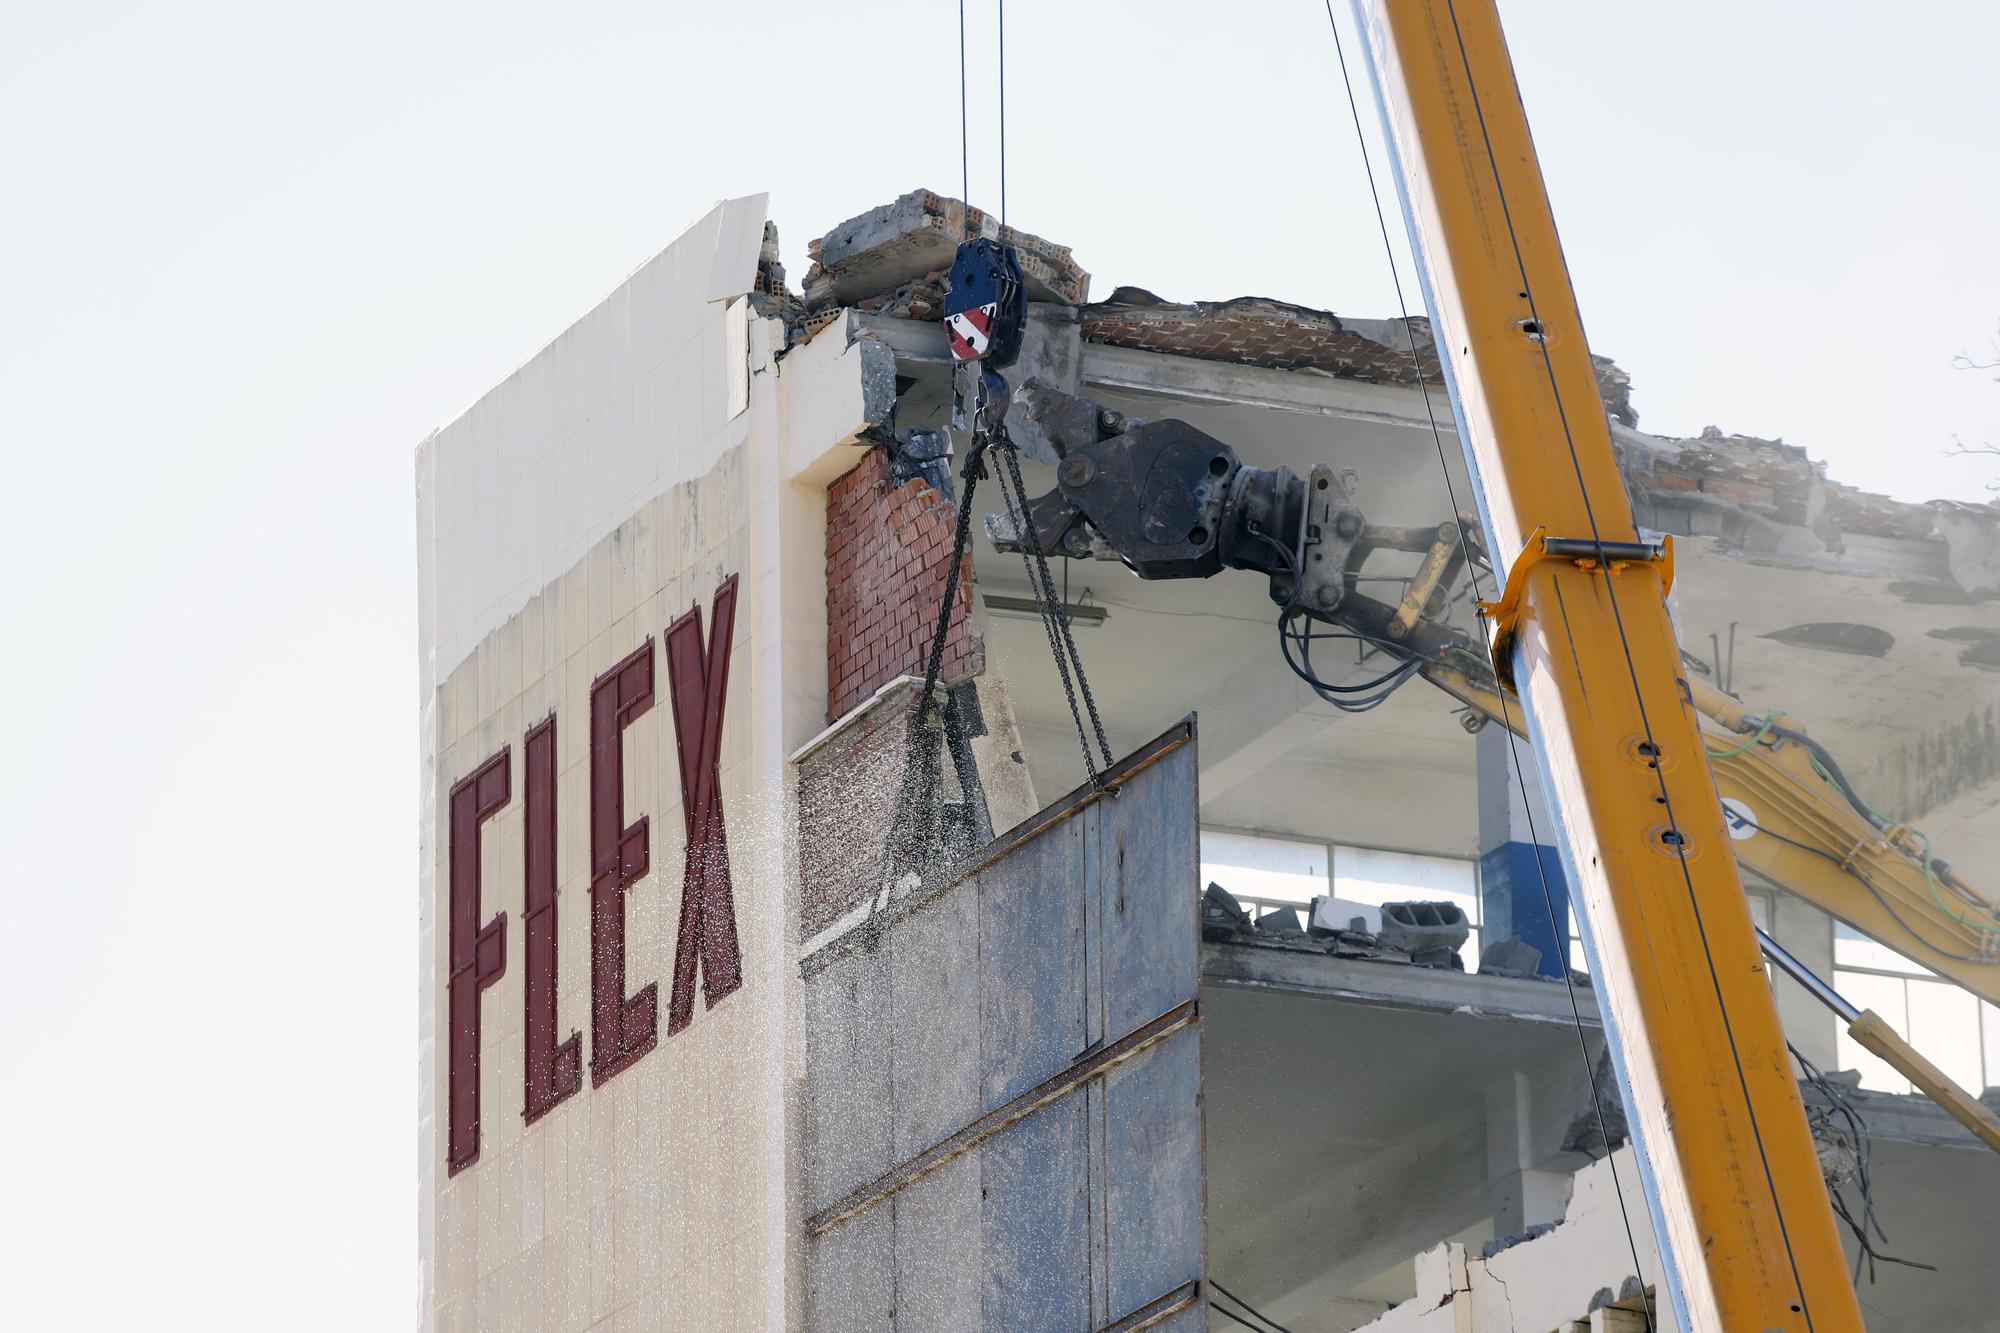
[1521, 1185]
[1807, 933]
[1512, 901]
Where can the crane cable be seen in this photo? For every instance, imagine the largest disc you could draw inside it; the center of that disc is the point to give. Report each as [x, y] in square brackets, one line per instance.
[914, 833]
[964, 133]
[1472, 573]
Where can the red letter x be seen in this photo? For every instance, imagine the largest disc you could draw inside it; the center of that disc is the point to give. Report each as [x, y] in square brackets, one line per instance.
[700, 682]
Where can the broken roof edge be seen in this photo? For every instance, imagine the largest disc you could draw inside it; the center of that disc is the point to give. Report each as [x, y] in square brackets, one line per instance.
[892, 261]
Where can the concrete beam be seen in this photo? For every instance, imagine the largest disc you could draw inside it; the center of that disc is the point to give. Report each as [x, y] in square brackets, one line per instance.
[832, 389]
[1191, 379]
[918, 234]
[1393, 986]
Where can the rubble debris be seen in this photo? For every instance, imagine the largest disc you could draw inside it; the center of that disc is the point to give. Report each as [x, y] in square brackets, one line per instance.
[1598, 1130]
[1499, 1243]
[1052, 357]
[1511, 958]
[1767, 478]
[1280, 921]
[1222, 917]
[1329, 916]
[1259, 331]
[922, 453]
[1421, 927]
[912, 240]
[769, 296]
[1436, 930]
[1837, 636]
[1763, 497]
[1360, 944]
[1755, 494]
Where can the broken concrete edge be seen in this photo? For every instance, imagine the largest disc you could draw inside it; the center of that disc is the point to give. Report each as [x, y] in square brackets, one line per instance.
[1282, 335]
[1551, 1277]
[901, 688]
[914, 237]
[1749, 492]
[1257, 965]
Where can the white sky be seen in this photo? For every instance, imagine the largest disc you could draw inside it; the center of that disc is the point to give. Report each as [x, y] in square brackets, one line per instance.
[253, 252]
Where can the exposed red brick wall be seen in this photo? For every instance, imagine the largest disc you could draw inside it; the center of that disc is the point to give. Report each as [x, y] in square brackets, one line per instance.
[886, 551]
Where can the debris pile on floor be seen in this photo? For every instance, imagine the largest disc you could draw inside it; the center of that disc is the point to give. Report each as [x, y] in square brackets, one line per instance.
[1420, 934]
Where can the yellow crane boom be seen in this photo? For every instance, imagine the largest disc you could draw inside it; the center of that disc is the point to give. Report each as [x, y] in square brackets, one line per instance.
[1731, 1175]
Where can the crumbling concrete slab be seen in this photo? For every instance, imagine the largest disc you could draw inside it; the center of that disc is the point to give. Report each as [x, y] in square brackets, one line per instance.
[914, 238]
[1259, 331]
[1051, 352]
[1576, 1276]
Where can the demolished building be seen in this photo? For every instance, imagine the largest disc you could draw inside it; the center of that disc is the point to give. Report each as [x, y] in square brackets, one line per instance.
[868, 1107]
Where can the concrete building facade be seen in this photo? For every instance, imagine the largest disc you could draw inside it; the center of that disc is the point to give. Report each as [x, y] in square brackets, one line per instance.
[676, 575]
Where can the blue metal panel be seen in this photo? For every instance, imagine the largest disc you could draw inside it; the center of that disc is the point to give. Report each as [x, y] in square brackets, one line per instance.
[1003, 1090]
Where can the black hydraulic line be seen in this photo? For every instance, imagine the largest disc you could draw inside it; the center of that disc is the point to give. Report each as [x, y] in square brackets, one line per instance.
[1833, 770]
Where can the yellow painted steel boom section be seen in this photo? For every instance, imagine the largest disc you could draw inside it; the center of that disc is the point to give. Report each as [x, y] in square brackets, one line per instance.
[1732, 1177]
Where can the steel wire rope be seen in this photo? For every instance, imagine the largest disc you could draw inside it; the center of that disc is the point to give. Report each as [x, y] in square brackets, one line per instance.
[1003, 115]
[1247, 1306]
[1625, 646]
[1235, 1318]
[1472, 574]
[1055, 619]
[964, 138]
[917, 793]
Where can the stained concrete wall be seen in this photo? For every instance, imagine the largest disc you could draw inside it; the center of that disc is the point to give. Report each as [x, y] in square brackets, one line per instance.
[662, 444]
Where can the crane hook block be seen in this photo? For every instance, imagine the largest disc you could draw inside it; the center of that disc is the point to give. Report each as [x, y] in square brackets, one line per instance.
[987, 304]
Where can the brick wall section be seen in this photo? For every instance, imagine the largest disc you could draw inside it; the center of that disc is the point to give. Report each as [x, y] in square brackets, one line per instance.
[887, 548]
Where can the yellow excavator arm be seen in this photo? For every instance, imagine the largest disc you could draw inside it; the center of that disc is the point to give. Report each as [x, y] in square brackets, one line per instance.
[1793, 820]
